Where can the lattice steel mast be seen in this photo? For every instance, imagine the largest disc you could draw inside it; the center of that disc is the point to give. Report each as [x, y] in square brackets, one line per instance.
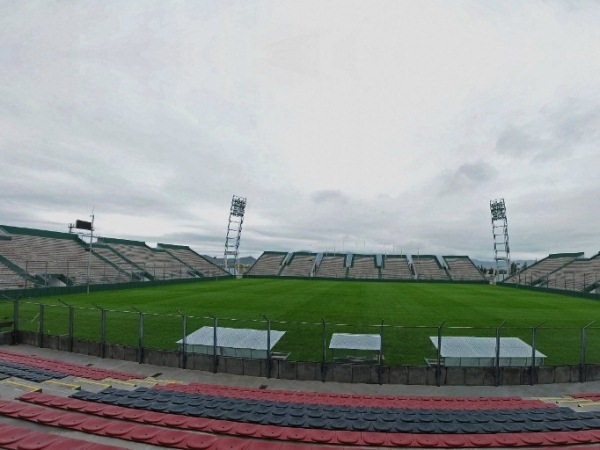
[500, 233]
[234, 231]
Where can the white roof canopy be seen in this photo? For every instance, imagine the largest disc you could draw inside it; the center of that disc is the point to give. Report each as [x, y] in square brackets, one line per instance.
[355, 341]
[483, 347]
[234, 338]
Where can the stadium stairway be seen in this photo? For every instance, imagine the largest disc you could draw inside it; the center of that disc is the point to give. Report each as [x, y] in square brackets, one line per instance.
[186, 428]
[16, 438]
[62, 368]
[142, 413]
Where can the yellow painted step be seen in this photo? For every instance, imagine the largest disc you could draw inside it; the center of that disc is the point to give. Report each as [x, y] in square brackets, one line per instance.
[21, 385]
[75, 387]
[94, 382]
[121, 382]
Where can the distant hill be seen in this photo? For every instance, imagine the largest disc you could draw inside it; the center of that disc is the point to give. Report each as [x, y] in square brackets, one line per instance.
[492, 264]
[245, 260]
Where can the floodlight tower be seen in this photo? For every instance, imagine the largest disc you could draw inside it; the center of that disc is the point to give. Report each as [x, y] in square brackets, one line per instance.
[89, 226]
[500, 233]
[234, 231]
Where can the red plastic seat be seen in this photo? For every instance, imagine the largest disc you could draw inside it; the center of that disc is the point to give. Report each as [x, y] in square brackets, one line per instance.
[534, 439]
[262, 445]
[220, 426]
[12, 434]
[199, 423]
[50, 416]
[153, 417]
[94, 424]
[112, 411]
[245, 429]
[175, 420]
[59, 402]
[133, 414]
[29, 412]
[37, 441]
[75, 444]
[171, 438]
[94, 408]
[228, 443]
[71, 420]
[36, 397]
[9, 408]
[401, 439]
[270, 432]
[506, 440]
[374, 438]
[144, 433]
[322, 436]
[480, 440]
[454, 440]
[118, 428]
[558, 438]
[200, 441]
[75, 404]
[428, 440]
[296, 434]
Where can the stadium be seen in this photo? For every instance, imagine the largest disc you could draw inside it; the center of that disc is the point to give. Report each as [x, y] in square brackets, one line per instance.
[360, 307]
[106, 296]
[329, 318]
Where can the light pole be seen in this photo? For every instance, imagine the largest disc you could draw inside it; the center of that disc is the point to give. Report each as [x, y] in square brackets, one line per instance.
[90, 255]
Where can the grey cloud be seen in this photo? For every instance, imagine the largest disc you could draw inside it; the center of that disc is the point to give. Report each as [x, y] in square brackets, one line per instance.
[329, 196]
[467, 176]
[577, 122]
[139, 111]
[558, 131]
[516, 141]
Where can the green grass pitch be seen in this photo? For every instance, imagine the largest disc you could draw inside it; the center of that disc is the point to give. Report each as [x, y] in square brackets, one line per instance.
[409, 313]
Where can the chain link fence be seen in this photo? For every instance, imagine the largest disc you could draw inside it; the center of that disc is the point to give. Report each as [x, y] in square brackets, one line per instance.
[302, 341]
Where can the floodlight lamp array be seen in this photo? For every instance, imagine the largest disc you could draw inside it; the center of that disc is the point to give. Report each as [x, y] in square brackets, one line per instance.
[238, 206]
[498, 209]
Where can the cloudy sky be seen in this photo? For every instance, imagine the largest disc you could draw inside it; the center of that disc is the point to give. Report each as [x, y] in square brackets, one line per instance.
[363, 126]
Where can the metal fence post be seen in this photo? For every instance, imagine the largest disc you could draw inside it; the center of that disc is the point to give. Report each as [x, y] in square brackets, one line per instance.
[41, 327]
[215, 357]
[380, 374]
[71, 324]
[71, 327]
[102, 331]
[533, 371]
[324, 358]
[16, 320]
[183, 362]
[438, 366]
[582, 376]
[497, 374]
[268, 347]
[140, 335]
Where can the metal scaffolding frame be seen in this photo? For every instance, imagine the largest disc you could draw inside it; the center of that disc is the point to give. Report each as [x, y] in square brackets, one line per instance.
[501, 241]
[234, 231]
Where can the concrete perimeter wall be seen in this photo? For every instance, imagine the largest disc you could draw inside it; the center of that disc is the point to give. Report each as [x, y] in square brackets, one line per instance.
[305, 371]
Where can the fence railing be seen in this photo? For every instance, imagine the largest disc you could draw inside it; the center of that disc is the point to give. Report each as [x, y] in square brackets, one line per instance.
[44, 273]
[568, 280]
[401, 345]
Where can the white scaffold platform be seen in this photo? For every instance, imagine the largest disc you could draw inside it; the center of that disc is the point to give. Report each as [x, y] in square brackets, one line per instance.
[466, 351]
[233, 342]
[361, 342]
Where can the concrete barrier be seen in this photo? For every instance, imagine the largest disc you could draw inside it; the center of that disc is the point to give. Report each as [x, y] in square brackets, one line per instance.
[311, 371]
[6, 338]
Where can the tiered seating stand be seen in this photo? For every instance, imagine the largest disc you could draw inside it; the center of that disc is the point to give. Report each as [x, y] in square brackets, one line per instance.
[332, 266]
[461, 268]
[268, 264]
[427, 267]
